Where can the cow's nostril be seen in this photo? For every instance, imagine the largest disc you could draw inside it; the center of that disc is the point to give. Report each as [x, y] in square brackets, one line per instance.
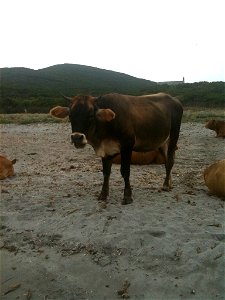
[80, 138]
[77, 138]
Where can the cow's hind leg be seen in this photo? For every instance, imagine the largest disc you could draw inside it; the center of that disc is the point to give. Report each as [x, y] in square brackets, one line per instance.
[106, 164]
[164, 152]
[174, 135]
[125, 172]
[169, 165]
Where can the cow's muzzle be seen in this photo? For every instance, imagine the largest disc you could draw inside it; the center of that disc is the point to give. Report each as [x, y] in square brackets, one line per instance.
[78, 139]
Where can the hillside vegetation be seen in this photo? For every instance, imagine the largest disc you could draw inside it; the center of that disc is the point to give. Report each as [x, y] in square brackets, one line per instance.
[38, 90]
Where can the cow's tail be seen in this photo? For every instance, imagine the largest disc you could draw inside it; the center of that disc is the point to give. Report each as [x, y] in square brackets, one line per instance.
[175, 127]
[172, 146]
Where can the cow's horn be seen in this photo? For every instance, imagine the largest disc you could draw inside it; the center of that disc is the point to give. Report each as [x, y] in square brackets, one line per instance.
[67, 98]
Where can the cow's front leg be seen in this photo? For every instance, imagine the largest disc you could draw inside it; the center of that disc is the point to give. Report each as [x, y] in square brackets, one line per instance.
[125, 172]
[106, 164]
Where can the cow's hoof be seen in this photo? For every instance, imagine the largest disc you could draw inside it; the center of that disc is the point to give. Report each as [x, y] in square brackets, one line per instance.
[166, 188]
[103, 204]
[102, 197]
[127, 200]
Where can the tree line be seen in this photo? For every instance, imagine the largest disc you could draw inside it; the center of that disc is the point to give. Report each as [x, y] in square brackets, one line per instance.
[36, 91]
[201, 94]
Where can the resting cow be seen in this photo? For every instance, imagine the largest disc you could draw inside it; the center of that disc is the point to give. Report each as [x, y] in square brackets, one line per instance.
[119, 124]
[218, 126]
[6, 167]
[143, 158]
[214, 177]
[154, 157]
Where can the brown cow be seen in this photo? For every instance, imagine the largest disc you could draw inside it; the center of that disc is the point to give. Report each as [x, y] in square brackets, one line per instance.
[119, 124]
[218, 126]
[214, 177]
[6, 167]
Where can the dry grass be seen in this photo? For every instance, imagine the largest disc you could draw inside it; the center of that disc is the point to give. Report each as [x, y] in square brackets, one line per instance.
[202, 115]
[199, 115]
[27, 118]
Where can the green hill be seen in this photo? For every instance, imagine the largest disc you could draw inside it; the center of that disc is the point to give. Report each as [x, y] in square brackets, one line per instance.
[38, 90]
[72, 79]
[23, 88]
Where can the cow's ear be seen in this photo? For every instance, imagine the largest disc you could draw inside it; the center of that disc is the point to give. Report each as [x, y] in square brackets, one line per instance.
[59, 112]
[105, 115]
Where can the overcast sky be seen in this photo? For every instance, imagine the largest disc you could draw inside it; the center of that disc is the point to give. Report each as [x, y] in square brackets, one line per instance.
[158, 40]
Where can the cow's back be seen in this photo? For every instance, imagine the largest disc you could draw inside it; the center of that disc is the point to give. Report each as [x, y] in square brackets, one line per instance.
[214, 177]
[147, 119]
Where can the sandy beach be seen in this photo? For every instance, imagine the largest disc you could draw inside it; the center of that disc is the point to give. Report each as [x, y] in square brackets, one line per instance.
[58, 242]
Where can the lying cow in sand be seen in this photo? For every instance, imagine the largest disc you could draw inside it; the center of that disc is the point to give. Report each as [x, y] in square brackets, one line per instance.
[6, 167]
[214, 177]
[143, 158]
[154, 157]
[218, 126]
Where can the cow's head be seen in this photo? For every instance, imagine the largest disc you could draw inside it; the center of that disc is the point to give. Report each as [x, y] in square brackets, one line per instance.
[211, 124]
[83, 113]
[6, 167]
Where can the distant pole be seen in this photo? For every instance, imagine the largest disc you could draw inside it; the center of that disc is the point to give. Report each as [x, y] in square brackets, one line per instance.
[183, 80]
